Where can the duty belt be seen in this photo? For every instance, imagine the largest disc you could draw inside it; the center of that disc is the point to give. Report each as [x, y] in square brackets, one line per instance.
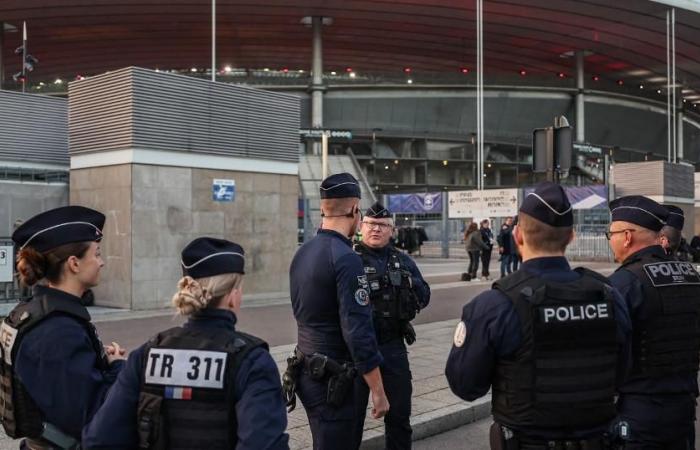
[319, 366]
[338, 376]
[504, 438]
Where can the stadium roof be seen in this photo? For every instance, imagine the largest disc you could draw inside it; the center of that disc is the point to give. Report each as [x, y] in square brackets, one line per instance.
[625, 39]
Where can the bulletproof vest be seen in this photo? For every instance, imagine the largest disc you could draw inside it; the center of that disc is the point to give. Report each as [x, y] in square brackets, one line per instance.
[187, 392]
[666, 334]
[563, 375]
[391, 293]
[20, 415]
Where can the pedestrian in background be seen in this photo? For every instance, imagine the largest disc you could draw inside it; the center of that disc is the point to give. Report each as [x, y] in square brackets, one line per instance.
[487, 237]
[505, 246]
[474, 246]
[515, 258]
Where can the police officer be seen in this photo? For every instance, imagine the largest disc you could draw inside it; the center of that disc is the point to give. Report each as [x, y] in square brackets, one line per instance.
[397, 292]
[656, 408]
[551, 342]
[670, 236]
[55, 371]
[331, 305]
[202, 385]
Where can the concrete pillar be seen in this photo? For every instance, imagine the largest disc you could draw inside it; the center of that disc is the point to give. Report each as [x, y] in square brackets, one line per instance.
[679, 129]
[497, 177]
[580, 101]
[317, 88]
[445, 247]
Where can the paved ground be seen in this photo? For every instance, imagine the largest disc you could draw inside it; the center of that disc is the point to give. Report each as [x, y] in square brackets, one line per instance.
[431, 398]
[474, 436]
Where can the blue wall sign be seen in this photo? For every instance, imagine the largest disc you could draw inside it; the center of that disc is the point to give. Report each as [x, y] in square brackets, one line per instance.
[223, 190]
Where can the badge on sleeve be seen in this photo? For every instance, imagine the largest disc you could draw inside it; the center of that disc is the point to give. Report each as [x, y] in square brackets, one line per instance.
[362, 297]
[460, 334]
[362, 281]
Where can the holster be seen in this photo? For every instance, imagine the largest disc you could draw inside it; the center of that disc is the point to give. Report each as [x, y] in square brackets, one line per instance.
[339, 376]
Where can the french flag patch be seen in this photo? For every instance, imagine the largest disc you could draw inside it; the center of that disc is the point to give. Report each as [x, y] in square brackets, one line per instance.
[178, 393]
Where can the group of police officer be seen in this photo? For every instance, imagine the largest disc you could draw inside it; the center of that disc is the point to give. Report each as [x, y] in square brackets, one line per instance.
[353, 307]
[574, 360]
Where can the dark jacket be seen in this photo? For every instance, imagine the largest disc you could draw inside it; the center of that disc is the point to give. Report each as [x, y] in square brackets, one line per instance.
[505, 240]
[474, 242]
[260, 411]
[487, 237]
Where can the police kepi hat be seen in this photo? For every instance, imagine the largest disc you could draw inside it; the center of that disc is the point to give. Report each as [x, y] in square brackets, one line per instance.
[639, 210]
[206, 257]
[60, 226]
[340, 185]
[378, 211]
[548, 203]
[676, 218]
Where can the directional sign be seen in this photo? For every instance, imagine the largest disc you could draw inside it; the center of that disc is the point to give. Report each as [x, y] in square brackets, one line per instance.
[486, 203]
[588, 149]
[333, 134]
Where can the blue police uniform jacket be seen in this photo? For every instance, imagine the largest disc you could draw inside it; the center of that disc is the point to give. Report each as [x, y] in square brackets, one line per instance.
[58, 365]
[378, 258]
[644, 398]
[494, 332]
[330, 300]
[260, 410]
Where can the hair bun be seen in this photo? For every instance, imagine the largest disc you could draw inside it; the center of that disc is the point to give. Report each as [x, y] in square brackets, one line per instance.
[31, 266]
[190, 296]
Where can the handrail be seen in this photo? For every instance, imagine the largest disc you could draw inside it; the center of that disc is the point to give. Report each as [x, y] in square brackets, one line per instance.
[361, 174]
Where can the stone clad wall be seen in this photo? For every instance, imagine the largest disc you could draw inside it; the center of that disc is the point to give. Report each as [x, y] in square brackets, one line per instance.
[108, 189]
[153, 212]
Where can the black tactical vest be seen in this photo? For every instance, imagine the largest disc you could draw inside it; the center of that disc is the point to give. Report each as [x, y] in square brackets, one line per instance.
[20, 415]
[391, 293]
[563, 376]
[187, 392]
[666, 335]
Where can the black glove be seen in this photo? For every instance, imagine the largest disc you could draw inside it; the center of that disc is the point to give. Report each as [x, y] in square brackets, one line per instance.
[409, 333]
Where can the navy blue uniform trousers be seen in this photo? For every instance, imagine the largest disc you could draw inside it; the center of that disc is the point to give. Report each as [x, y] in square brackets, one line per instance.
[396, 377]
[332, 427]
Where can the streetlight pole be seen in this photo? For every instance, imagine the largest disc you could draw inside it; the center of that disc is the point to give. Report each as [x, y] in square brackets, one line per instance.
[213, 40]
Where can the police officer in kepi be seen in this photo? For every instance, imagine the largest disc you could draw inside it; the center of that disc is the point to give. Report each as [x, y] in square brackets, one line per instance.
[55, 371]
[397, 292]
[336, 340]
[551, 342]
[671, 234]
[656, 407]
[202, 385]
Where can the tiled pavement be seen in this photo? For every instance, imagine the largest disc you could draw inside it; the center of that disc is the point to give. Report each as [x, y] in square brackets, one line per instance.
[435, 408]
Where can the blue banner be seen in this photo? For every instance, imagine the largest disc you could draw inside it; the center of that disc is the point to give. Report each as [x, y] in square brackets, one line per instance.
[424, 203]
[583, 197]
